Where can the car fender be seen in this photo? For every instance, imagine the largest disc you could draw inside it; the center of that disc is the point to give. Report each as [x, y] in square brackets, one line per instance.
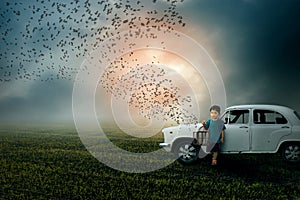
[180, 138]
[285, 141]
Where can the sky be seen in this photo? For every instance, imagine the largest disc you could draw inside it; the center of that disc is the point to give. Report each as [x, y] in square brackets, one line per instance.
[255, 45]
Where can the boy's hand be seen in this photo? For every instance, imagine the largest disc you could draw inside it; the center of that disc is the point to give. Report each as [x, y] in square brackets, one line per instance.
[204, 124]
[222, 140]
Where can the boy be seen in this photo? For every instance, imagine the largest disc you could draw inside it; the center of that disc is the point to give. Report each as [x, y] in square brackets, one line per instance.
[215, 127]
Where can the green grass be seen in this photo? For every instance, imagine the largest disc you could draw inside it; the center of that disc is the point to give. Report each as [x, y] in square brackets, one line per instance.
[52, 163]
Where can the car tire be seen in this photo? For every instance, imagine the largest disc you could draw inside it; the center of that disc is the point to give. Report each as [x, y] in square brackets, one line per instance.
[185, 152]
[291, 152]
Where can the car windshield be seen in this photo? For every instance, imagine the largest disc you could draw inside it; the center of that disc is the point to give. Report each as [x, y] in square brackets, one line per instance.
[298, 116]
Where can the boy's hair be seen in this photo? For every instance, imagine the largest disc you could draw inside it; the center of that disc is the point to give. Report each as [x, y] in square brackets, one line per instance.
[216, 108]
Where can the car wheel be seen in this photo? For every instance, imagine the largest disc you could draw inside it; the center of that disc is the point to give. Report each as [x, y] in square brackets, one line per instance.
[291, 152]
[185, 152]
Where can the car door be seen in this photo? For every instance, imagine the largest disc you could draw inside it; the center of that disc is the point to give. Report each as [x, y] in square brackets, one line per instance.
[267, 128]
[237, 131]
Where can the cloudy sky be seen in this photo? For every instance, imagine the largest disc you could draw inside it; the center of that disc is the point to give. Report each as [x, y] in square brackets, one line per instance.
[254, 43]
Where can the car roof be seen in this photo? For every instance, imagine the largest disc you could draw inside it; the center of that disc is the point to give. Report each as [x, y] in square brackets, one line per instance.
[261, 106]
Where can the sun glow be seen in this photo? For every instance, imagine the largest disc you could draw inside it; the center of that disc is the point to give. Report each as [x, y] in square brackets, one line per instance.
[155, 83]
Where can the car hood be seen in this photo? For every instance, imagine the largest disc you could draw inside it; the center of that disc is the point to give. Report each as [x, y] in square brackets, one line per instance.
[192, 127]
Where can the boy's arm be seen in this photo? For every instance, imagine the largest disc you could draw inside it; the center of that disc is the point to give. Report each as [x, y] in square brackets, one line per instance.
[222, 136]
[204, 124]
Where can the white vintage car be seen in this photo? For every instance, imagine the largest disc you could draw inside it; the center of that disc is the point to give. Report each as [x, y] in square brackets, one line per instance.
[249, 129]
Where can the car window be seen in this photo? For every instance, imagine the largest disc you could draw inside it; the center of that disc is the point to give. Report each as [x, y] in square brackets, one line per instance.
[236, 117]
[268, 117]
[297, 115]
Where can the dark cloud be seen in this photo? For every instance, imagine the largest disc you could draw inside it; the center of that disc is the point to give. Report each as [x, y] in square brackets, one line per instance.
[258, 48]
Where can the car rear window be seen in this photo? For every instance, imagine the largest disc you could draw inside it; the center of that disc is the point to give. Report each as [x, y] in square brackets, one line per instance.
[298, 116]
[268, 117]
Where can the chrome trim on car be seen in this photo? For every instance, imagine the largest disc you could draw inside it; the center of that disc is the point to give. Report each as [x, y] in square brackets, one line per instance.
[164, 144]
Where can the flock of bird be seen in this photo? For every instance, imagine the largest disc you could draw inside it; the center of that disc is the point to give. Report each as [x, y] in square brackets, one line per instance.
[41, 38]
[149, 89]
[44, 40]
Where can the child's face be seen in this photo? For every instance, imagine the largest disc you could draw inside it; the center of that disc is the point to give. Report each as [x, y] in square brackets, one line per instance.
[214, 114]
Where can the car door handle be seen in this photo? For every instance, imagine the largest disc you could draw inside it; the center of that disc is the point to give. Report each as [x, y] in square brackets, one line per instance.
[285, 127]
[243, 126]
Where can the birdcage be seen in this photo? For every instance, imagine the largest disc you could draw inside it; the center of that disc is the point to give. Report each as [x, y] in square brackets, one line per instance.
[200, 137]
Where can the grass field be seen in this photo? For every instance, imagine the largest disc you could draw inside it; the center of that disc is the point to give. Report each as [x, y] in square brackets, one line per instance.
[52, 163]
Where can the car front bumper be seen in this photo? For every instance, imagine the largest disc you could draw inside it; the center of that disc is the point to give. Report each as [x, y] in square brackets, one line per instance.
[164, 144]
